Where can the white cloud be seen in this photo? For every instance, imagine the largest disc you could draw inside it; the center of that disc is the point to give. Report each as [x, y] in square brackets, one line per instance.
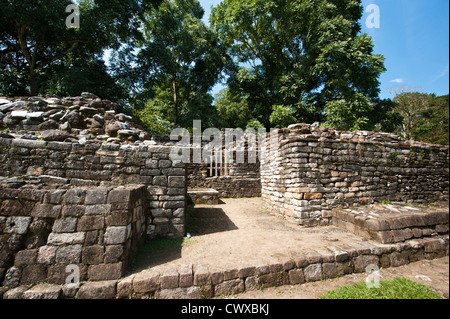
[397, 81]
[442, 73]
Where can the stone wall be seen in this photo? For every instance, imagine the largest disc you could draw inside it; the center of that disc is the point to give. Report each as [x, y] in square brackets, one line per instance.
[43, 230]
[311, 170]
[200, 281]
[96, 164]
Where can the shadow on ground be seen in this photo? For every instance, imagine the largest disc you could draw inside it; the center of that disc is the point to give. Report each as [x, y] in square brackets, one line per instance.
[200, 220]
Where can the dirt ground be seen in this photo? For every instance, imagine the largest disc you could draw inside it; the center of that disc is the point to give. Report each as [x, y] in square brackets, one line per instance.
[238, 232]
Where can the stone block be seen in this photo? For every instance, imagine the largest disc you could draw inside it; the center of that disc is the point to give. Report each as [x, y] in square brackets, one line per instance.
[230, 287]
[66, 238]
[296, 276]
[271, 280]
[247, 271]
[98, 290]
[179, 293]
[15, 293]
[43, 291]
[114, 253]
[170, 278]
[251, 283]
[33, 274]
[234, 273]
[73, 210]
[105, 271]
[96, 196]
[54, 197]
[361, 262]
[25, 257]
[17, 225]
[92, 255]
[47, 255]
[186, 275]
[313, 272]
[115, 235]
[201, 276]
[87, 223]
[98, 209]
[67, 225]
[69, 254]
[146, 281]
[74, 197]
[398, 259]
[125, 287]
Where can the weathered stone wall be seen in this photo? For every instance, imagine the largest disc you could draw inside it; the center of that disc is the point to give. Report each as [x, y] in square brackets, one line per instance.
[242, 183]
[237, 179]
[95, 164]
[312, 170]
[42, 231]
[196, 282]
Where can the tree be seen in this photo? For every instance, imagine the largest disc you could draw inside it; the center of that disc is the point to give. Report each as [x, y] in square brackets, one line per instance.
[177, 64]
[438, 117]
[34, 37]
[425, 117]
[301, 60]
[411, 106]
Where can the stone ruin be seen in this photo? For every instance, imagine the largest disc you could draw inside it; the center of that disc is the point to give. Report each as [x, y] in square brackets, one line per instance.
[80, 184]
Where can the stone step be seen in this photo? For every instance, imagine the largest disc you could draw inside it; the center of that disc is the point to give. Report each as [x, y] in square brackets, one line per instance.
[393, 223]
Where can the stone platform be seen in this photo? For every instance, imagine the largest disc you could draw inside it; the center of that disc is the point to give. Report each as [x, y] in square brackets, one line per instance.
[393, 223]
[204, 196]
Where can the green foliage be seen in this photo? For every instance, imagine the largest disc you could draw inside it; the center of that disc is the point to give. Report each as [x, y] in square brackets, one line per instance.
[425, 117]
[282, 116]
[294, 72]
[178, 62]
[35, 42]
[151, 118]
[398, 288]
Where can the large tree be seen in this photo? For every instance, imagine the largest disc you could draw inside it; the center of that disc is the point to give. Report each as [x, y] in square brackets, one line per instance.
[301, 60]
[34, 37]
[425, 116]
[177, 64]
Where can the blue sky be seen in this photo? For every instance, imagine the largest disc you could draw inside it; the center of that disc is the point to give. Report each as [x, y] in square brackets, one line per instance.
[414, 38]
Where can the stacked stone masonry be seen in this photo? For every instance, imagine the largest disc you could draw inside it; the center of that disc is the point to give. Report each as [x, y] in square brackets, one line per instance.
[200, 281]
[312, 170]
[96, 164]
[44, 231]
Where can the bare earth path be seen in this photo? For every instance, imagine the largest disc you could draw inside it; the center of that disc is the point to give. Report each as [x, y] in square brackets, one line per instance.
[238, 232]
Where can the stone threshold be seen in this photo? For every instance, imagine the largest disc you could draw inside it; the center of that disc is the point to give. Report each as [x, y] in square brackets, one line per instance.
[200, 282]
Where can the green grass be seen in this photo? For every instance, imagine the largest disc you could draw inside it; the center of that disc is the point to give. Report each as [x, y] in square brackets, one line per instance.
[398, 288]
[159, 244]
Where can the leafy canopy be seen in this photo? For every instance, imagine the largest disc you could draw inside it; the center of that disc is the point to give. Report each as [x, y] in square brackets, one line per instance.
[300, 60]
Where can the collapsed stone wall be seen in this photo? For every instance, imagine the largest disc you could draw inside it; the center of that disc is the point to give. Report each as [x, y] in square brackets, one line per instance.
[44, 230]
[310, 170]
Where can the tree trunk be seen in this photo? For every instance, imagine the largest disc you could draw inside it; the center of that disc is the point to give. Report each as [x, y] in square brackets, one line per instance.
[34, 85]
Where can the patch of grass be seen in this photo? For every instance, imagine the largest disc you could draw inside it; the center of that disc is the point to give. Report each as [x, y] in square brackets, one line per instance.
[191, 226]
[145, 246]
[398, 288]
